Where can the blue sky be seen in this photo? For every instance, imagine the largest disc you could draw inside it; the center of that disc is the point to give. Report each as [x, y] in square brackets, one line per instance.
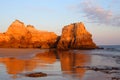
[101, 17]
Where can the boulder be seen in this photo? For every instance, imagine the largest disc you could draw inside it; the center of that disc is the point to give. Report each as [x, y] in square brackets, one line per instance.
[75, 36]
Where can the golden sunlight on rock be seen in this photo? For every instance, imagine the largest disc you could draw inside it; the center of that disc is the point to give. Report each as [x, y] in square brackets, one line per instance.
[17, 29]
[74, 36]
[20, 36]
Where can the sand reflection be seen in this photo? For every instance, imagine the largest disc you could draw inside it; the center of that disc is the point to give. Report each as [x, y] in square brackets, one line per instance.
[70, 59]
[15, 66]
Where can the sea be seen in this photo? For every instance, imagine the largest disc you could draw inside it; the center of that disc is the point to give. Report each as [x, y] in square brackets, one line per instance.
[50, 64]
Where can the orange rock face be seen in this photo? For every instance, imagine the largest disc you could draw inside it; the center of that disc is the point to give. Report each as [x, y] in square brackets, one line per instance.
[42, 39]
[75, 36]
[20, 36]
[4, 39]
[17, 29]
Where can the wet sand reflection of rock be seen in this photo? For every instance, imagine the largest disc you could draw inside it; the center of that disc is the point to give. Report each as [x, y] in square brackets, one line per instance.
[70, 60]
[47, 57]
[15, 66]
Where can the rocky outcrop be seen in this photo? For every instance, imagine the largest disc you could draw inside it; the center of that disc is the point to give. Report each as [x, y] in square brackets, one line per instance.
[17, 29]
[4, 40]
[75, 36]
[20, 36]
[42, 39]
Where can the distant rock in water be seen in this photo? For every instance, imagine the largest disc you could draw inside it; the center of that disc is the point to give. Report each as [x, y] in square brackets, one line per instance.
[75, 36]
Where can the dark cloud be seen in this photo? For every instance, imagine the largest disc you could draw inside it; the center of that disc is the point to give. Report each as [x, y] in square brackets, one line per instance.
[98, 14]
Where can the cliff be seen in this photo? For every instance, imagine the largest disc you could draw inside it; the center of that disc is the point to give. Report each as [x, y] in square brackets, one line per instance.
[74, 36]
[20, 36]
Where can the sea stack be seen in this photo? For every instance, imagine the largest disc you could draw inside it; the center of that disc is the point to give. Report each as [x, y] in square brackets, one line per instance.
[20, 36]
[75, 36]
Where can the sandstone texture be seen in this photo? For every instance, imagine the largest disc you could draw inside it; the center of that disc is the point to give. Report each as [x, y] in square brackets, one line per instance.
[75, 36]
[20, 36]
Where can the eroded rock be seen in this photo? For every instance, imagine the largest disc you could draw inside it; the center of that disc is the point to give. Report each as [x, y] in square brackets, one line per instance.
[20, 36]
[75, 36]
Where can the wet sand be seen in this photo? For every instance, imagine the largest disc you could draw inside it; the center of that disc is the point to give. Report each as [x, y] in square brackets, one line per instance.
[15, 64]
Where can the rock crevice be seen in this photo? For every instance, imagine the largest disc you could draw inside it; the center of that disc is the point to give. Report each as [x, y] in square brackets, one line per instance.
[74, 36]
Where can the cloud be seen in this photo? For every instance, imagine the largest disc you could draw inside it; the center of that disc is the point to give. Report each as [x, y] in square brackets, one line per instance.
[97, 14]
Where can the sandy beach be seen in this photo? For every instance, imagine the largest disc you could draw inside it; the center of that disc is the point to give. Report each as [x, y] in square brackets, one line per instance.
[59, 65]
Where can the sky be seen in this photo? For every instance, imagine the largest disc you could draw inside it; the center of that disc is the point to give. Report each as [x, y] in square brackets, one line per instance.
[101, 17]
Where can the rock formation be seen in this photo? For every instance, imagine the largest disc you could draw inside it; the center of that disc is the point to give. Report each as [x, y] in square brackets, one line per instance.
[75, 36]
[20, 36]
[4, 39]
[42, 39]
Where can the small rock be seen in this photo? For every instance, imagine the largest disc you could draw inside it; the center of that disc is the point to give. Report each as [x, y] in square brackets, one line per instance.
[36, 74]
